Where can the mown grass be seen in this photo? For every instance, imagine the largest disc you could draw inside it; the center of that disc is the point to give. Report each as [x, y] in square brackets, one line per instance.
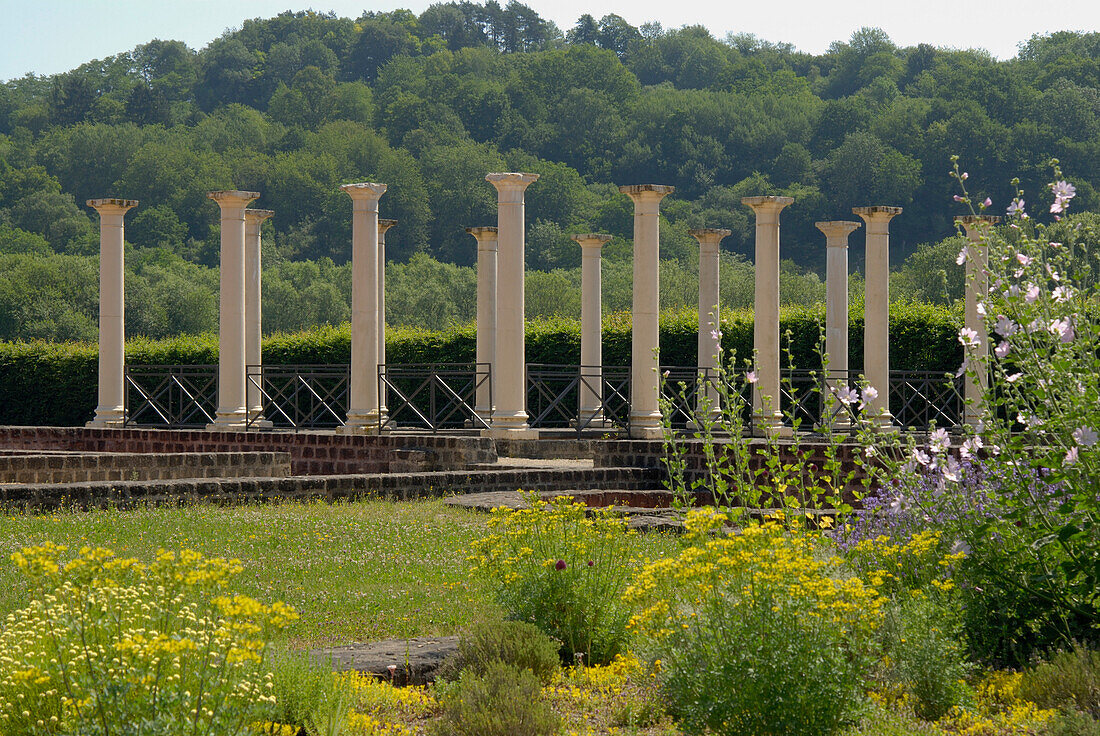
[355, 572]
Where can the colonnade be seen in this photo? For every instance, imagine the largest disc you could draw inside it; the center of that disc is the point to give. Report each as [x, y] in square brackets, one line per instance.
[500, 310]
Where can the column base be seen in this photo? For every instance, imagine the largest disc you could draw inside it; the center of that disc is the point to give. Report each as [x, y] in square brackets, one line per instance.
[109, 419]
[231, 420]
[260, 424]
[646, 426]
[770, 425]
[592, 421]
[359, 425]
[884, 423]
[715, 420]
[511, 433]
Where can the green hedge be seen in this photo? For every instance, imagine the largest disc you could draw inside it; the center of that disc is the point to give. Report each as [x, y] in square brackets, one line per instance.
[55, 383]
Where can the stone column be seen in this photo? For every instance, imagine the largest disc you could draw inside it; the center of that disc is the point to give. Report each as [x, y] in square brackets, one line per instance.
[645, 412]
[591, 388]
[876, 311]
[253, 320]
[486, 318]
[709, 339]
[977, 290]
[111, 411]
[510, 366]
[836, 310]
[232, 412]
[363, 406]
[383, 226]
[767, 416]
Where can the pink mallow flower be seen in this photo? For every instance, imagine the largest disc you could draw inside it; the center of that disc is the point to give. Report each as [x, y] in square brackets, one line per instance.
[1085, 436]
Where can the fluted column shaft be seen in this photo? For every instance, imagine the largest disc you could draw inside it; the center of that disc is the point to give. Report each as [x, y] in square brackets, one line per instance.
[876, 315]
[486, 318]
[591, 389]
[977, 290]
[645, 412]
[363, 406]
[767, 416]
[383, 226]
[111, 409]
[510, 378]
[710, 341]
[836, 306]
[253, 317]
[232, 411]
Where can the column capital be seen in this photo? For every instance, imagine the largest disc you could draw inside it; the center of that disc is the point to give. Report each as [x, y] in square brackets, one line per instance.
[977, 224]
[646, 191]
[510, 185]
[364, 191]
[385, 224]
[232, 197]
[486, 237]
[837, 231]
[112, 206]
[767, 206]
[591, 240]
[256, 217]
[878, 214]
[709, 236]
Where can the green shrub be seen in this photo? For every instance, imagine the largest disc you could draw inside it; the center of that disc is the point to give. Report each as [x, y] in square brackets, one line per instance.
[553, 566]
[1067, 678]
[1071, 722]
[923, 643]
[757, 632]
[515, 643]
[504, 701]
[54, 384]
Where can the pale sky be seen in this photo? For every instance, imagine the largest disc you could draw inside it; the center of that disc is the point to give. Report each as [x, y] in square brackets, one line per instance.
[50, 36]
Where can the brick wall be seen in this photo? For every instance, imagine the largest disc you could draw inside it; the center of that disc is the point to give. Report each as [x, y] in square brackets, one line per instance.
[76, 467]
[311, 453]
[650, 454]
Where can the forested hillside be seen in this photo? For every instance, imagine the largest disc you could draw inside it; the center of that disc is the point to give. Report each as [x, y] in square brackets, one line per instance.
[294, 106]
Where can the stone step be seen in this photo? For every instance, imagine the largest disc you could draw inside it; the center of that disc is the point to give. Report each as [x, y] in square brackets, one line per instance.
[414, 661]
[393, 486]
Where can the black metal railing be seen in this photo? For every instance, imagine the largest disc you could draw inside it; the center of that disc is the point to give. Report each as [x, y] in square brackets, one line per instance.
[177, 396]
[434, 396]
[554, 394]
[439, 397]
[919, 399]
[298, 396]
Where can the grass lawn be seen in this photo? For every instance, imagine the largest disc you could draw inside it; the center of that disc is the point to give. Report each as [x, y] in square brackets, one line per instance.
[355, 572]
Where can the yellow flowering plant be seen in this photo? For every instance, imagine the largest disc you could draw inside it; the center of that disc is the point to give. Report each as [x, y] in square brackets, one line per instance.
[758, 631]
[108, 645]
[562, 569]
